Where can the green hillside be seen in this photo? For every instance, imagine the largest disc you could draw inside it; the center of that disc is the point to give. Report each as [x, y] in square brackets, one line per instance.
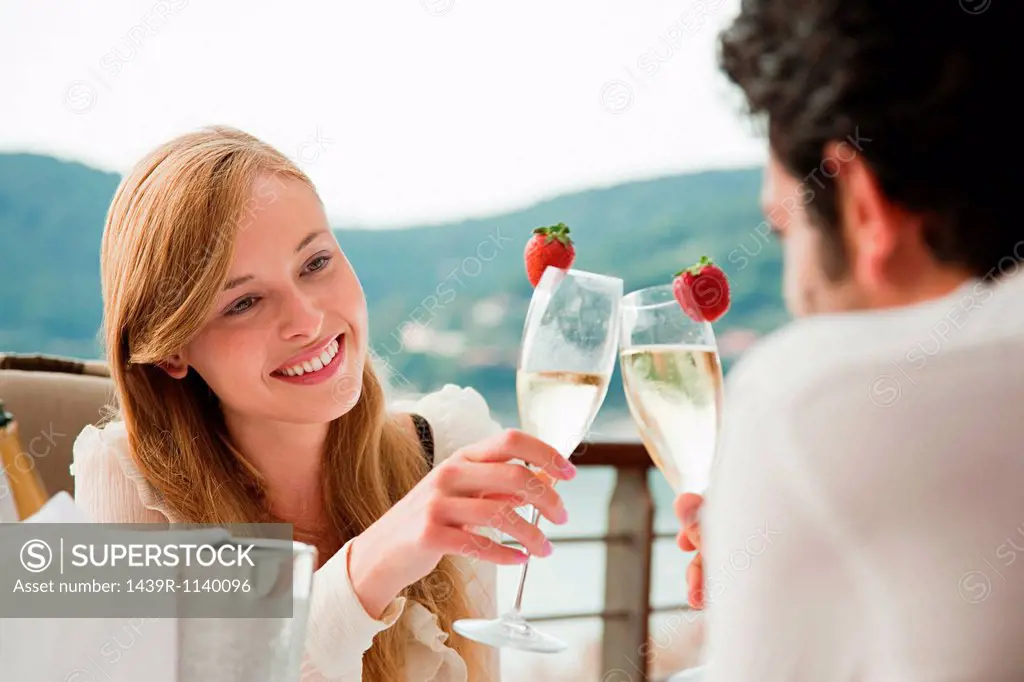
[461, 283]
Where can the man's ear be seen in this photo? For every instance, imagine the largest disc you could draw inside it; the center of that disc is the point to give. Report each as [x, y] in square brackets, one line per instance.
[870, 221]
[175, 366]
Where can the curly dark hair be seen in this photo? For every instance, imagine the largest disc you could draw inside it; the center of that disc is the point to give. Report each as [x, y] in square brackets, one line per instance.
[926, 89]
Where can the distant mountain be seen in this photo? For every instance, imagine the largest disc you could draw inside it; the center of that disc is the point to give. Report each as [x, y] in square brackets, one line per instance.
[446, 301]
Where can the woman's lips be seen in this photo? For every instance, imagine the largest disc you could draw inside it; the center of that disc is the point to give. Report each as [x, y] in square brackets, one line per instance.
[315, 370]
[325, 349]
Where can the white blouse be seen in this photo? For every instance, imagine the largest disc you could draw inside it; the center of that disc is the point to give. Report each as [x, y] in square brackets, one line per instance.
[112, 490]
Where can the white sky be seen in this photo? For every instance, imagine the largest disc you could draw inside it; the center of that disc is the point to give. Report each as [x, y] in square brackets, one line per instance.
[429, 109]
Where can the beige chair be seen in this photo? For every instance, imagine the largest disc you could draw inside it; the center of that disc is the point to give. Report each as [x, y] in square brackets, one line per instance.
[52, 399]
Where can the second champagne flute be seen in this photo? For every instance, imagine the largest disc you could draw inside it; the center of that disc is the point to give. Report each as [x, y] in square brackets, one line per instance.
[672, 376]
[568, 351]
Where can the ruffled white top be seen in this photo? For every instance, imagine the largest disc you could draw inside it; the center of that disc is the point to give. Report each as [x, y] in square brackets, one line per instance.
[112, 490]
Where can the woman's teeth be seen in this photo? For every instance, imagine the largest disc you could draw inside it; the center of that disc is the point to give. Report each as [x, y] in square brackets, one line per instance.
[314, 365]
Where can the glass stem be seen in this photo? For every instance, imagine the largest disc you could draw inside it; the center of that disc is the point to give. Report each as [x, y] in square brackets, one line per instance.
[522, 576]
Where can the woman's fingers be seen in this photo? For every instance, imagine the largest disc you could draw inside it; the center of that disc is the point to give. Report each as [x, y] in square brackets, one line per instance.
[486, 549]
[514, 444]
[512, 484]
[461, 511]
[477, 547]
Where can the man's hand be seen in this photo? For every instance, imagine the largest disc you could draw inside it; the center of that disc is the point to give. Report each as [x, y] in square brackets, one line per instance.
[687, 508]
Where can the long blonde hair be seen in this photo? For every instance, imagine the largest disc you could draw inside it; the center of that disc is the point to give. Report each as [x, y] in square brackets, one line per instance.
[167, 246]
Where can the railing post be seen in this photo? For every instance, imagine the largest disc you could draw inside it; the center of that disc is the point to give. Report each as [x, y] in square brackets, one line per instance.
[628, 577]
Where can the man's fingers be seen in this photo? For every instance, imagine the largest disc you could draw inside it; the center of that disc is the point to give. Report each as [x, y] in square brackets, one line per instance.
[683, 540]
[697, 598]
[688, 538]
[695, 582]
[693, 535]
[687, 507]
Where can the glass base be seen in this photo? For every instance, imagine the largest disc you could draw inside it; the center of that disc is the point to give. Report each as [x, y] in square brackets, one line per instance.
[509, 631]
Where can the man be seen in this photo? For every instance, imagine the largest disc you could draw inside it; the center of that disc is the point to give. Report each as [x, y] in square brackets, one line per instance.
[867, 509]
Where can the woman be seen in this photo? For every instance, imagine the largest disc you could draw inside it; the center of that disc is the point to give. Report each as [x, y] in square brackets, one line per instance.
[236, 334]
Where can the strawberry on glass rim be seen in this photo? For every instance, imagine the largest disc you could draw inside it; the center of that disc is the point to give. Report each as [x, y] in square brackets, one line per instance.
[549, 246]
[702, 291]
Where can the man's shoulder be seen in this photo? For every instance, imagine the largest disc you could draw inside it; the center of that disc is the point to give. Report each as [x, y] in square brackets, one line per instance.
[895, 341]
[843, 380]
[794, 354]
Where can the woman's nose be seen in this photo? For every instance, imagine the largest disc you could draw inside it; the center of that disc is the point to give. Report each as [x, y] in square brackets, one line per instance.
[303, 318]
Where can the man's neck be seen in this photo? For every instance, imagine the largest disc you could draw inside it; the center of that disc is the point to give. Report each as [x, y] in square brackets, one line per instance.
[938, 284]
[288, 456]
[910, 280]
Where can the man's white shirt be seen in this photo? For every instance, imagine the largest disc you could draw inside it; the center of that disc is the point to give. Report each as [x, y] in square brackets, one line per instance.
[866, 515]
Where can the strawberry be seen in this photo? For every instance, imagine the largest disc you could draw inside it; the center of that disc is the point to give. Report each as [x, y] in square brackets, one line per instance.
[548, 246]
[702, 290]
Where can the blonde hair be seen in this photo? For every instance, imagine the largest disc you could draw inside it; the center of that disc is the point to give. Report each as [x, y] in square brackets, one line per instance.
[167, 246]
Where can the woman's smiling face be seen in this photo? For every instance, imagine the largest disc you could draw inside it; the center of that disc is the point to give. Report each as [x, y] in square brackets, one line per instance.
[286, 337]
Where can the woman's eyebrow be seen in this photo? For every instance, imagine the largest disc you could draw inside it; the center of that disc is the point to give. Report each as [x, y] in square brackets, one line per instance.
[238, 281]
[309, 238]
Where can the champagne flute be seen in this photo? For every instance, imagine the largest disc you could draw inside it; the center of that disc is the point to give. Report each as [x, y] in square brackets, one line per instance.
[566, 360]
[672, 376]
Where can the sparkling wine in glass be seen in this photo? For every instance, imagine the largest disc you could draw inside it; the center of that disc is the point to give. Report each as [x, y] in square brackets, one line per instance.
[672, 376]
[566, 360]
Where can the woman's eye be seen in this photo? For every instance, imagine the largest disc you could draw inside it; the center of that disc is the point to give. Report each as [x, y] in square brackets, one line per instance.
[318, 263]
[241, 305]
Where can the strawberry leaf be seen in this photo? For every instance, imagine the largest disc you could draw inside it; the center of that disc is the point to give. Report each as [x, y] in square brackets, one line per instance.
[696, 268]
[558, 232]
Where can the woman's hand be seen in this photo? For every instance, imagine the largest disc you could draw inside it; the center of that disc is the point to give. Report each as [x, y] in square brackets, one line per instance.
[476, 487]
[687, 508]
